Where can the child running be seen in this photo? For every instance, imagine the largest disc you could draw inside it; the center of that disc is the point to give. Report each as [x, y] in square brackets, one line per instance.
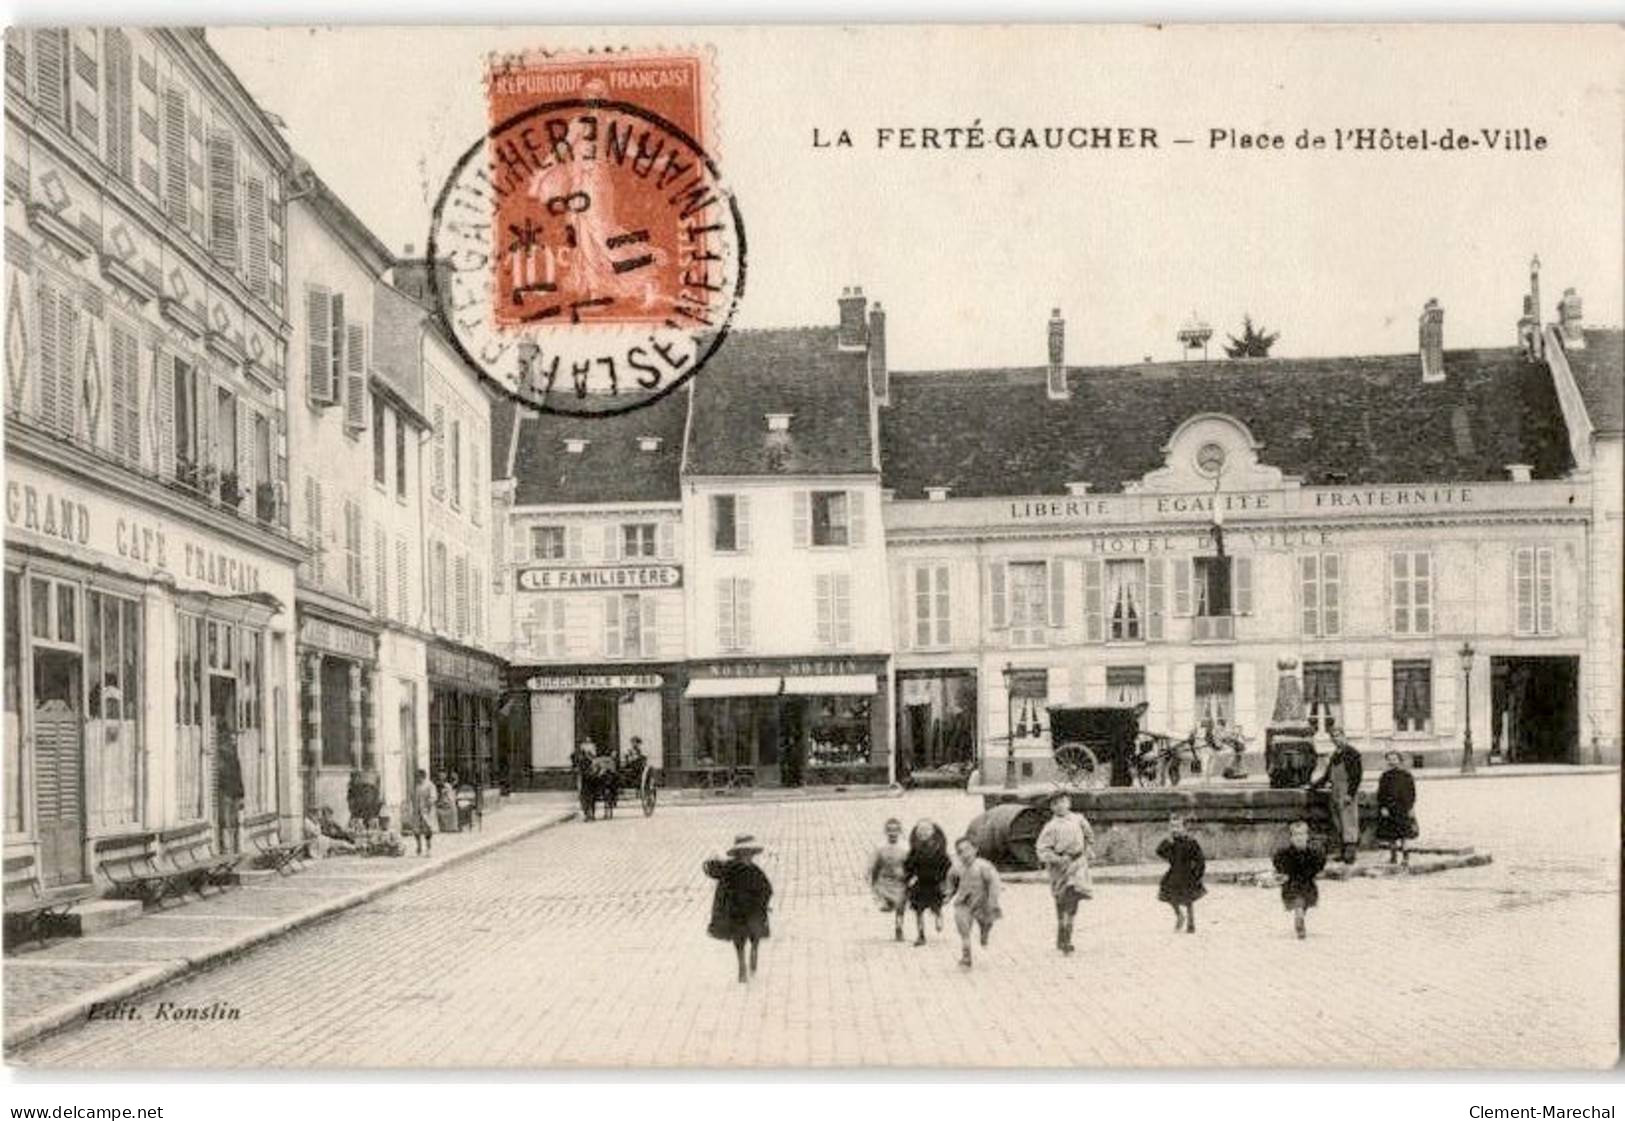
[739, 906]
[974, 884]
[887, 878]
[1063, 850]
[1296, 865]
[925, 871]
[1182, 884]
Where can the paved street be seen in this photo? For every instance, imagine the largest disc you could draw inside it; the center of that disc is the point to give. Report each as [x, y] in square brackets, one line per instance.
[585, 945]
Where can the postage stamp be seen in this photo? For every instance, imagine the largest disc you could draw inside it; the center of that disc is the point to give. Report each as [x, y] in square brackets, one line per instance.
[594, 256]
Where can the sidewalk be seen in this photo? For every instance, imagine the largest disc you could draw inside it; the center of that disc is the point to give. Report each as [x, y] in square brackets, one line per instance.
[47, 988]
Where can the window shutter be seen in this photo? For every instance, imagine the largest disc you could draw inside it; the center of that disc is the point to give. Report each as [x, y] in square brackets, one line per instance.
[612, 626]
[742, 611]
[572, 542]
[668, 540]
[742, 523]
[1331, 594]
[1545, 601]
[824, 610]
[612, 542]
[904, 606]
[1094, 620]
[163, 375]
[402, 582]
[1309, 585]
[1057, 591]
[521, 544]
[801, 519]
[319, 346]
[51, 72]
[1422, 593]
[319, 531]
[255, 223]
[245, 452]
[857, 522]
[1156, 597]
[843, 608]
[558, 640]
[1380, 695]
[1242, 590]
[380, 572]
[223, 241]
[1182, 586]
[356, 394]
[175, 158]
[119, 102]
[995, 594]
[336, 362]
[1523, 590]
[647, 632]
[944, 606]
[725, 614]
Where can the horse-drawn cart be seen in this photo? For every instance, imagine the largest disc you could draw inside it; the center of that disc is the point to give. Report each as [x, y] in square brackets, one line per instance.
[602, 785]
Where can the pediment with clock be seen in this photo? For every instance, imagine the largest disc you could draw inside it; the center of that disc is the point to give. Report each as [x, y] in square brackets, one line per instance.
[1211, 451]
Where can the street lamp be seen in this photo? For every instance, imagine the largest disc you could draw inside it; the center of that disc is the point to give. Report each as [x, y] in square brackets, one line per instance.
[1466, 656]
[1009, 726]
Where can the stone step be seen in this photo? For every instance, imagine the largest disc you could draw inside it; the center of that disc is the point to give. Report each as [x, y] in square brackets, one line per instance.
[101, 914]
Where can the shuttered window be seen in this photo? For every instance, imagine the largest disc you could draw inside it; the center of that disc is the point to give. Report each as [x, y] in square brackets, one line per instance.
[254, 225]
[1411, 592]
[440, 451]
[461, 571]
[58, 397]
[223, 216]
[124, 366]
[1534, 591]
[51, 73]
[354, 567]
[833, 605]
[733, 613]
[356, 394]
[403, 581]
[176, 163]
[119, 103]
[545, 629]
[319, 375]
[1321, 594]
[932, 625]
[380, 572]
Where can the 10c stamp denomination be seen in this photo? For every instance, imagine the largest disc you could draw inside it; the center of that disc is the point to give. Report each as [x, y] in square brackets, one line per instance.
[592, 257]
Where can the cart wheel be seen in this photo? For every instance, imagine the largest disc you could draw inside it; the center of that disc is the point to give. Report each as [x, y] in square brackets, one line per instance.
[649, 792]
[1079, 765]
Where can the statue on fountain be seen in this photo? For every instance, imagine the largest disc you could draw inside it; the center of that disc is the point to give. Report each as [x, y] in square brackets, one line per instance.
[1289, 741]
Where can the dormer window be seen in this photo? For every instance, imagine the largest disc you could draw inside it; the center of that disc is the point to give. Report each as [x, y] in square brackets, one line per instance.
[936, 494]
[649, 443]
[575, 445]
[779, 422]
[1077, 489]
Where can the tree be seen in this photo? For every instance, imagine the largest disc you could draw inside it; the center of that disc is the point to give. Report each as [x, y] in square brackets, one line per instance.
[1254, 342]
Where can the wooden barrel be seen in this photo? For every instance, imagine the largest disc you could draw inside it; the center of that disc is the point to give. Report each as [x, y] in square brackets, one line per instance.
[1007, 834]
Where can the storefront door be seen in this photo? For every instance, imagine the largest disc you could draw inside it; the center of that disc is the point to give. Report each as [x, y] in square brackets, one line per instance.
[1534, 705]
[597, 719]
[228, 762]
[59, 799]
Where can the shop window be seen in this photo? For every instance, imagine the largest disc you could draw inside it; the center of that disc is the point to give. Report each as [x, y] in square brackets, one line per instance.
[14, 792]
[1413, 696]
[191, 740]
[830, 523]
[254, 749]
[932, 622]
[1125, 600]
[838, 731]
[1320, 585]
[937, 718]
[725, 731]
[1533, 589]
[337, 734]
[1215, 695]
[1029, 602]
[1125, 685]
[1323, 694]
[547, 542]
[639, 540]
[1412, 592]
[113, 717]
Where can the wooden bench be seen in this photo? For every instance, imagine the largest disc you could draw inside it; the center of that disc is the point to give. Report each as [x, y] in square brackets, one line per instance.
[271, 851]
[128, 865]
[31, 911]
[193, 863]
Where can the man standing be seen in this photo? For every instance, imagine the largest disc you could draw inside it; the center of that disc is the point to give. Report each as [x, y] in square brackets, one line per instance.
[228, 785]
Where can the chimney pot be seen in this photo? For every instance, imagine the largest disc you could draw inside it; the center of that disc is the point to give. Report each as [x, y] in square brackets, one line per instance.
[649, 443]
[1520, 472]
[1055, 381]
[1431, 340]
[879, 375]
[936, 494]
[850, 335]
[575, 445]
[1077, 489]
[779, 422]
[1569, 317]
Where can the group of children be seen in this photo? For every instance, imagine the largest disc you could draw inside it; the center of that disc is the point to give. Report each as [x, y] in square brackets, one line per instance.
[920, 876]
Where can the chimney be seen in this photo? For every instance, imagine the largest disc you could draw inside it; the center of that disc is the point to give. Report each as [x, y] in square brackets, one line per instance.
[936, 494]
[1534, 308]
[1520, 472]
[1056, 380]
[850, 336]
[575, 445]
[649, 443]
[879, 376]
[1568, 321]
[1432, 341]
[1526, 328]
[1077, 490]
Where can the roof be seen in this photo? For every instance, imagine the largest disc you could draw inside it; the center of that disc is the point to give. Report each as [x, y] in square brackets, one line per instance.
[799, 371]
[611, 468]
[397, 326]
[1329, 420]
[1599, 371]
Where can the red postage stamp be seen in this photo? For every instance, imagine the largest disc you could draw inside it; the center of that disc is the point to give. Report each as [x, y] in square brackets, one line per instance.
[595, 255]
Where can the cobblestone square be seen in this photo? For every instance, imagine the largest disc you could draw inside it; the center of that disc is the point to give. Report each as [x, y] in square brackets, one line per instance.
[585, 946]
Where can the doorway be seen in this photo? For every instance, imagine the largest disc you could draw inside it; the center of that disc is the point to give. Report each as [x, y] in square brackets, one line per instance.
[228, 763]
[598, 719]
[59, 755]
[1535, 709]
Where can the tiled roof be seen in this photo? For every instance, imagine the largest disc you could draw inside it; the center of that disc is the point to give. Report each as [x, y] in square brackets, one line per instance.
[611, 468]
[1599, 371]
[797, 371]
[1354, 420]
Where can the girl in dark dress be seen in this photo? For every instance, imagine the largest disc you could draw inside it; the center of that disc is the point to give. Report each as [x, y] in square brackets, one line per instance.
[1182, 884]
[1297, 863]
[1396, 804]
[739, 907]
[925, 870]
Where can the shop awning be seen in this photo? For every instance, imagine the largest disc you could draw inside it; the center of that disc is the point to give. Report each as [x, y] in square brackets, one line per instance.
[732, 687]
[844, 684]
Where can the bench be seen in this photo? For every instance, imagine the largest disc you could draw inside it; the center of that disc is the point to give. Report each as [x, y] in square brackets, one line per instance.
[30, 911]
[271, 851]
[127, 864]
[193, 863]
